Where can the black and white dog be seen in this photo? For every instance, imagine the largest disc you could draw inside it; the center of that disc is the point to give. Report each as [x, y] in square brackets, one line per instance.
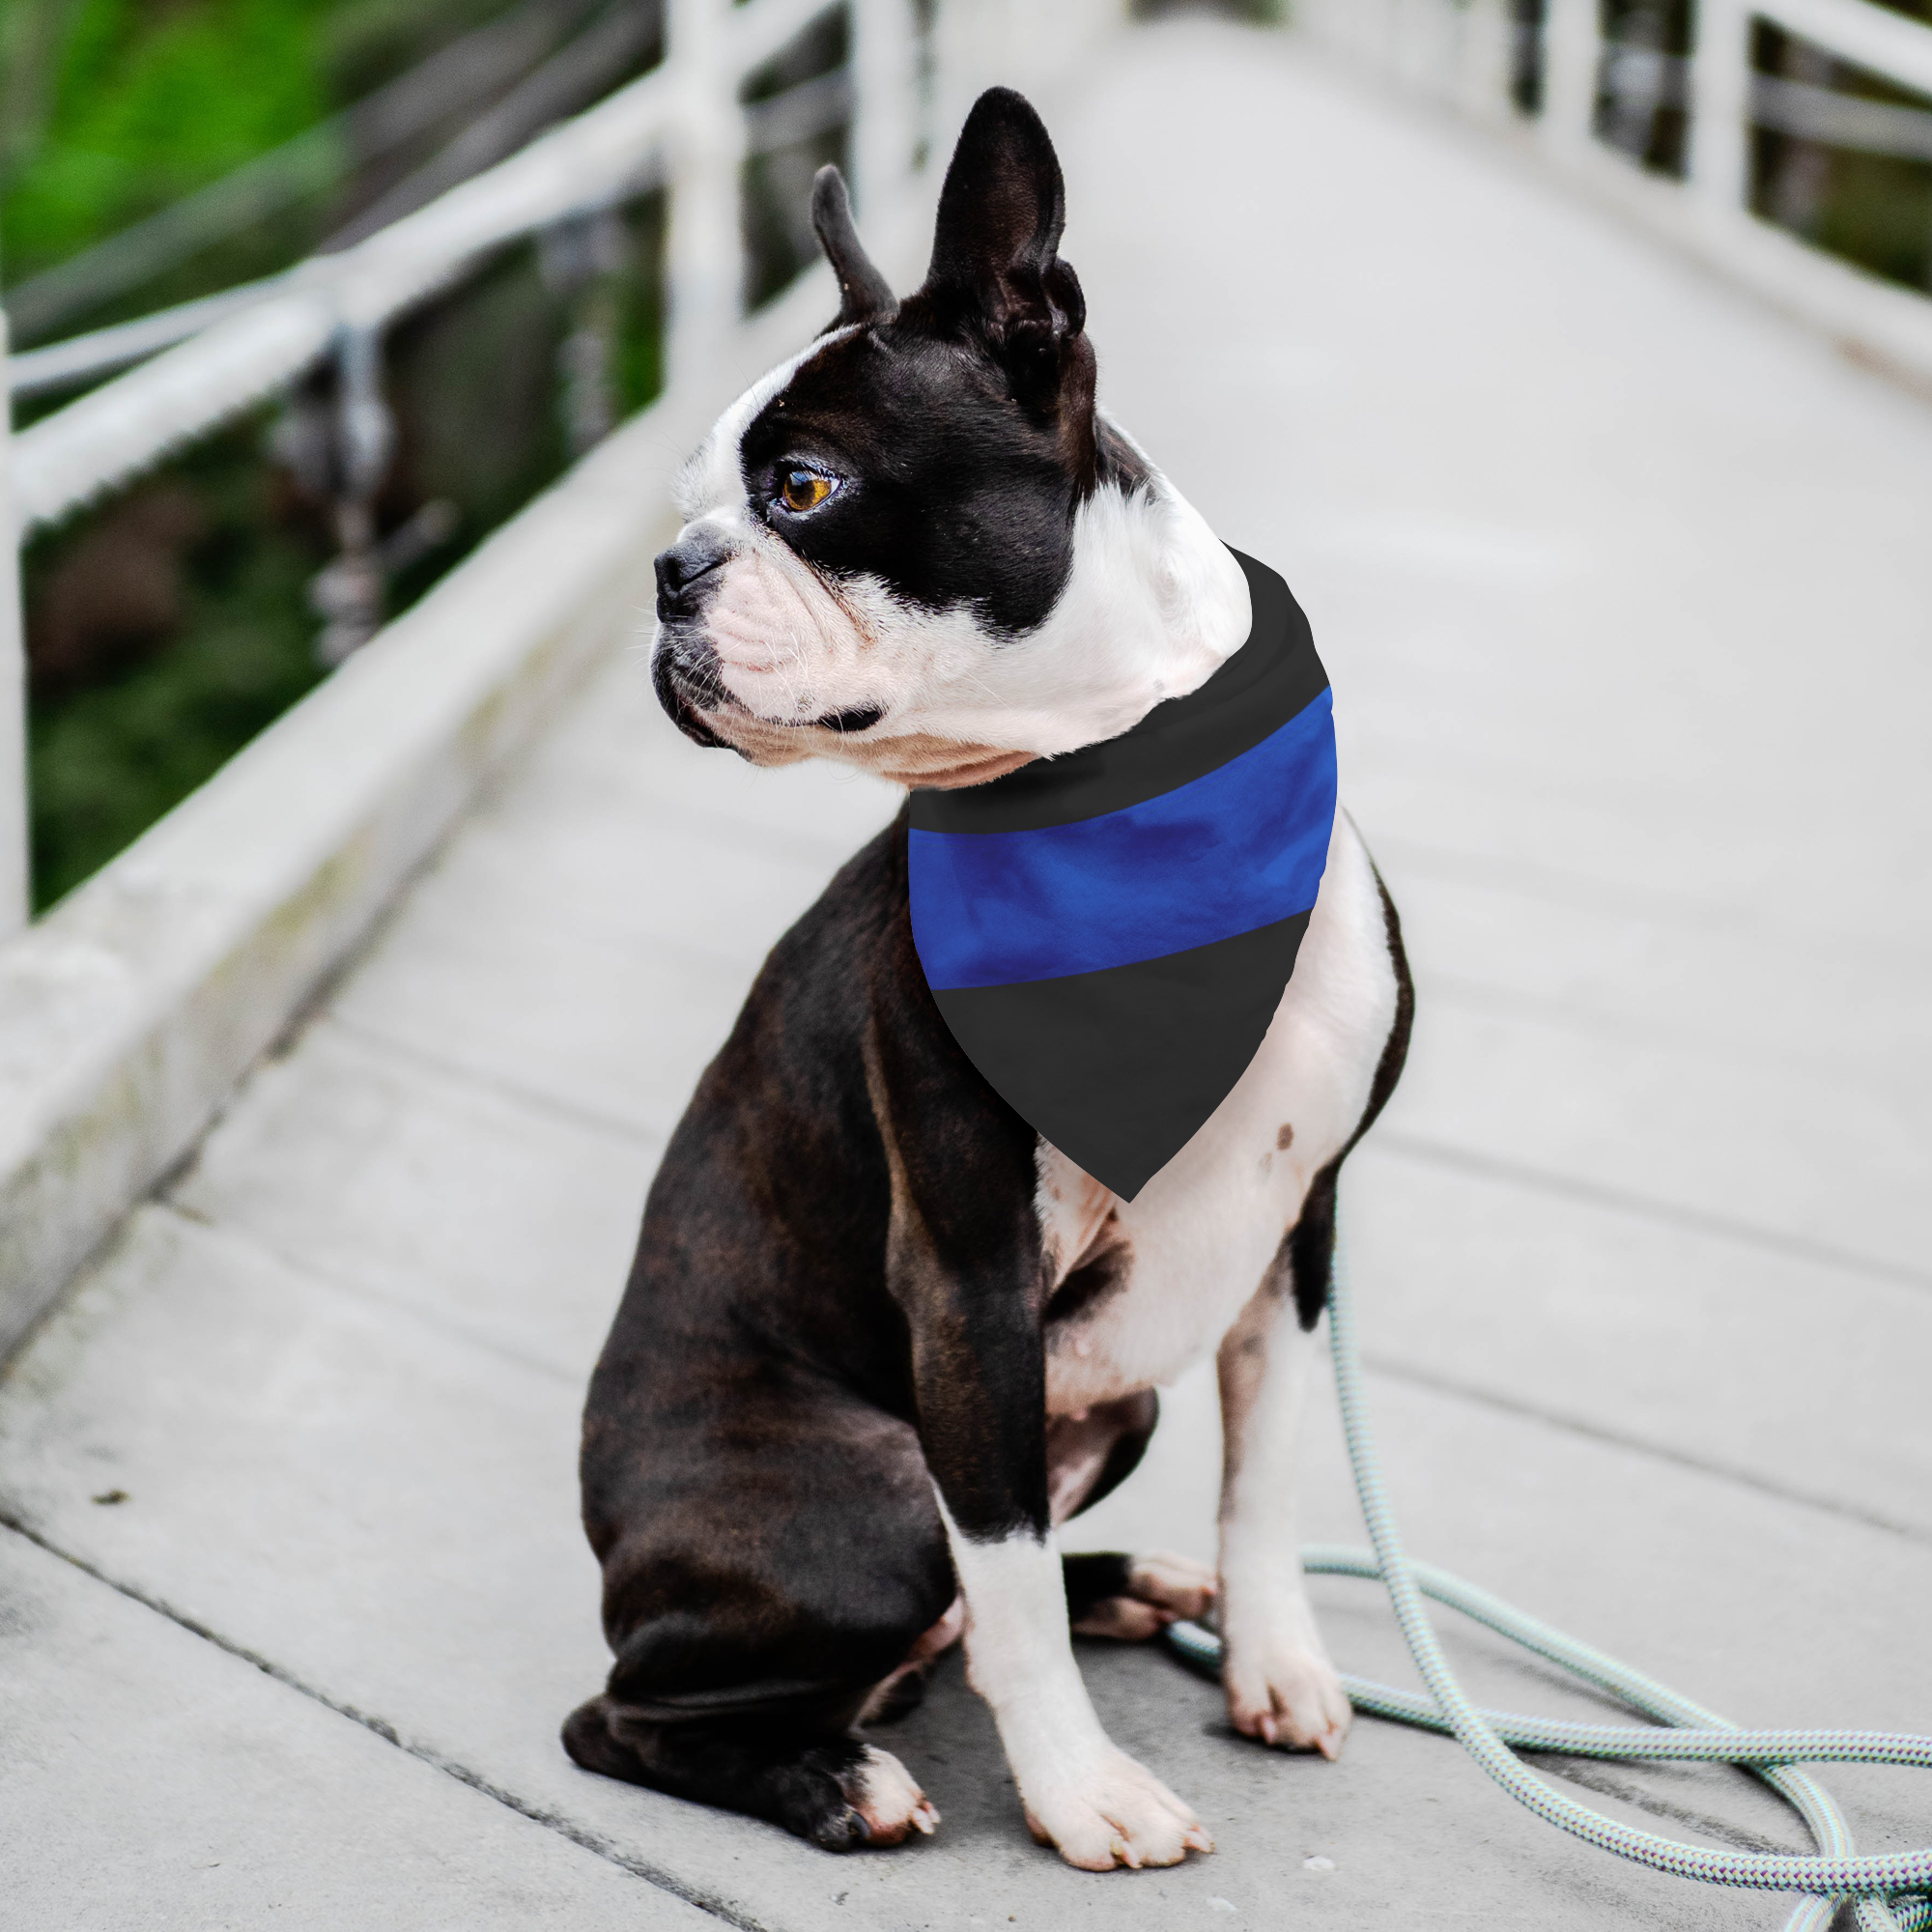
[880, 1338]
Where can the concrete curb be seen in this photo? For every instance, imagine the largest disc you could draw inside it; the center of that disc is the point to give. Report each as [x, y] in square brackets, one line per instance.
[130, 1012]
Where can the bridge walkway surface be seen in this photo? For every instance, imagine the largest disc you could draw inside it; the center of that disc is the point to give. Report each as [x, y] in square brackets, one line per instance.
[1624, 587]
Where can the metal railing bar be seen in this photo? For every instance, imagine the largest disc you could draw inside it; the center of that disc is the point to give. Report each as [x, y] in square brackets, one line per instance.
[1798, 108]
[128, 425]
[118, 430]
[1888, 46]
[799, 112]
[752, 35]
[573, 75]
[148, 248]
[443, 85]
[77, 358]
[605, 153]
[1710, 209]
[131, 422]
[466, 70]
[1809, 113]
[796, 115]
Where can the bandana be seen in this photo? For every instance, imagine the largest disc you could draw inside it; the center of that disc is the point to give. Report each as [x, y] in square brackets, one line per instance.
[1108, 934]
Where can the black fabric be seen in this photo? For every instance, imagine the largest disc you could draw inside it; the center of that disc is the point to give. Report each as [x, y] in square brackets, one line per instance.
[1125, 1065]
[1274, 676]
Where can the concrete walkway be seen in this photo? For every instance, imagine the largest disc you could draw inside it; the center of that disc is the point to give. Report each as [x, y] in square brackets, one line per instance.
[1624, 589]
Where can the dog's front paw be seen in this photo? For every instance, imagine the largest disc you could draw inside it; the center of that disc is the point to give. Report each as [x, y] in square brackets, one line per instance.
[1287, 1694]
[1116, 1812]
[883, 1805]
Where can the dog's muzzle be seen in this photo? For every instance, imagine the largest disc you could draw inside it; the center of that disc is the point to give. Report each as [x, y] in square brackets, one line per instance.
[684, 665]
[685, 668]
[684, 673]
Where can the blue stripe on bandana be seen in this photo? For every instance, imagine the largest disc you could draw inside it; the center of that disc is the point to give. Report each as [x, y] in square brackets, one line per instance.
[1222, 855]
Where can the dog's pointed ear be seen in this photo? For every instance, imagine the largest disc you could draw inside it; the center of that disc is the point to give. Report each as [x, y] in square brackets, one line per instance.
[863, 292]
[995, 258]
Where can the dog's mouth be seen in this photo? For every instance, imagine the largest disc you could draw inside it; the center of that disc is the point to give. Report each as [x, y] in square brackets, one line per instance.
[690, 684]
[685, 676]
[849, 724]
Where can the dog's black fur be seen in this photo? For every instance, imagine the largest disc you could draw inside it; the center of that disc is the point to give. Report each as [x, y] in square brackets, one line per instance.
[838, 1296]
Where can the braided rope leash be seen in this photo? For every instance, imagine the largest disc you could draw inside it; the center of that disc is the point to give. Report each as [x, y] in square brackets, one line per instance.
[1880, 1887]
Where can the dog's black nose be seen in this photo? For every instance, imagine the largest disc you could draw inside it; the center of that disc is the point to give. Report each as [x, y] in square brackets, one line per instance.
[685, 570]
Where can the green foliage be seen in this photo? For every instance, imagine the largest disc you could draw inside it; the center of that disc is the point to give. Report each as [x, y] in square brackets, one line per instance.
[1877, 211]
[139, 104]
[171, 623]
[226, 637]
[111, 109]
[107, 757]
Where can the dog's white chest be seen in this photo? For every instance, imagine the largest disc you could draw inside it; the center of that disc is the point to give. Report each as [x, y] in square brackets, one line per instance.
[1144, 1287]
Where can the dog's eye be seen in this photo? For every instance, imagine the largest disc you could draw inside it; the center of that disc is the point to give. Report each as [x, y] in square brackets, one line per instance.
[804, 490]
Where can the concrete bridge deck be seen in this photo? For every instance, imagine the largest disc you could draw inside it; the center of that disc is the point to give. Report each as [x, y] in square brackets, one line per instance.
[1624, 590]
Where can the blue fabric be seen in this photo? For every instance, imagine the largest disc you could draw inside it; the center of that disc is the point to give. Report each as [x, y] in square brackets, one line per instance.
[1226, 854]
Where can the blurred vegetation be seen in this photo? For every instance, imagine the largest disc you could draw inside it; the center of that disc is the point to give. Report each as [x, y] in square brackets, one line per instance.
[170, 623]
[1873, 209]
[201, 559]
[112, 109]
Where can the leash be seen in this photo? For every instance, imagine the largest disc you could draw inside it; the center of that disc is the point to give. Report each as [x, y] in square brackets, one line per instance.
[1882, 1887]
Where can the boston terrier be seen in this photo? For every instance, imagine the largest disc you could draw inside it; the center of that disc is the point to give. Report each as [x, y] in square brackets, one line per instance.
[882, 1334]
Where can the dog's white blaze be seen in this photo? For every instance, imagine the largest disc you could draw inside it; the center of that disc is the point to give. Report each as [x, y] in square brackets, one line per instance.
[1206, 1228]
[711, 477]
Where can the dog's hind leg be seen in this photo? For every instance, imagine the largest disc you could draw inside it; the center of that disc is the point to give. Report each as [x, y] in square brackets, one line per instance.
[818, 1780]
[760, 1579]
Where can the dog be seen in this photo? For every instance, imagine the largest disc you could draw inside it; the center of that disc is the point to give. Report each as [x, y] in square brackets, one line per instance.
[880, 1338]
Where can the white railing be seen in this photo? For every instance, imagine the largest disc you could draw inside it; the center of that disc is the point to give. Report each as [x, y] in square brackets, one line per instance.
[681, 126]
[14, 881]
[1471, 55]
[130, 1010]
[616, 149]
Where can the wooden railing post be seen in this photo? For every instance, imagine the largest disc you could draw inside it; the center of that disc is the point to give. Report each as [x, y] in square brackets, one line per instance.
[703, 255]
[1720, 108]
[13, 900]
[884, 110]
[1572, 52]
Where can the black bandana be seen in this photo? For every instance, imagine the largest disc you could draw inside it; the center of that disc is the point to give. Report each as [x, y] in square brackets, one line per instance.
[1108, 933]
